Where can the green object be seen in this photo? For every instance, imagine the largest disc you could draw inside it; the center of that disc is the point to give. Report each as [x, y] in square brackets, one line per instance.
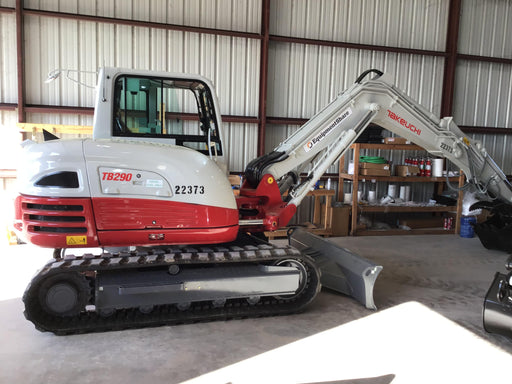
[372, 159]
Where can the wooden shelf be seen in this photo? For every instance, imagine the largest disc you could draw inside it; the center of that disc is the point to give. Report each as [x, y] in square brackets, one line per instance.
[403, 208]
[357, 209]
[402, 179]
[391, 147]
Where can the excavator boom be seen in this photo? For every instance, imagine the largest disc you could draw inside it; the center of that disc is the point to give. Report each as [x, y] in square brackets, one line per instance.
[329, 134]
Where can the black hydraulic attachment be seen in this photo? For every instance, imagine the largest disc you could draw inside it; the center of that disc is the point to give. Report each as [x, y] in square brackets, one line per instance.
[497, 315]
[341, 270]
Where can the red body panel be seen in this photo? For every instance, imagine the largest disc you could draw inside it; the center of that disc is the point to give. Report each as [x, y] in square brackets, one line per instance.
[52, 222]
[48, 221]
[168, 236]
[125, 214]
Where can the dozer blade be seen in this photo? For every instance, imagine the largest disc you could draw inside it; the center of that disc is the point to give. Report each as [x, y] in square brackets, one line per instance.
[341, 270]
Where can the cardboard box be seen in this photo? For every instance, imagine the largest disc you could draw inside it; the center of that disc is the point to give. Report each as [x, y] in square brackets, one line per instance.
[341, 220]
[374, 172]
[396, 140]
[374, 166]
[406, 170]
[372, 169]
[235, 180]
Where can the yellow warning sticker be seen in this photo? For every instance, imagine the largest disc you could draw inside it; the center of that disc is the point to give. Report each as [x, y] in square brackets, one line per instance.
[76, 240]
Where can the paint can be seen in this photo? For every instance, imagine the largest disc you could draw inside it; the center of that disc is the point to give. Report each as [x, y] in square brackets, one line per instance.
[437, 167]
[392, 190]
[466, 226]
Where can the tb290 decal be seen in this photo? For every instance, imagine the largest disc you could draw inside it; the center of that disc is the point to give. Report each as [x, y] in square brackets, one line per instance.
[119, 181]
[116, 176]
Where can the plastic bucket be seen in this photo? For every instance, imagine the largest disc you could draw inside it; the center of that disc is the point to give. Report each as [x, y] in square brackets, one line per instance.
[466, 226]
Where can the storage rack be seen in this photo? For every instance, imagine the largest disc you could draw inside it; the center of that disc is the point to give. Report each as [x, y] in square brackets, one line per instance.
[357, 208]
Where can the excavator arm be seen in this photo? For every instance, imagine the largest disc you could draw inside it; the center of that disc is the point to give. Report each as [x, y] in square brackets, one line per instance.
[328, 135]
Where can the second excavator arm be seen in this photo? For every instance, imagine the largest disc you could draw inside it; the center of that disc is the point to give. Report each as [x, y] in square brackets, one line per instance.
[328, 135]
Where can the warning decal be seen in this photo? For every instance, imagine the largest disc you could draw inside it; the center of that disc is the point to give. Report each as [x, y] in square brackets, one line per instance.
[315, 140]
[76, 240]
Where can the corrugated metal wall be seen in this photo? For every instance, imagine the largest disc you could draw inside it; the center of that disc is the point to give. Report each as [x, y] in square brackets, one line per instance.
[219, 14]
[8, 3]
[486, 27]
[8, 83]
[231, 63]
[304, 78]
[483, 90]
[422, 23]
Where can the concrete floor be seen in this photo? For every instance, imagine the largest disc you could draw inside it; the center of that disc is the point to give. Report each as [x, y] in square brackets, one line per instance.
[427, 329]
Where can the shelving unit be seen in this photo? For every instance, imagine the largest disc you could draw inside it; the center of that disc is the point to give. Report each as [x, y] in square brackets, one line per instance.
[358, 209]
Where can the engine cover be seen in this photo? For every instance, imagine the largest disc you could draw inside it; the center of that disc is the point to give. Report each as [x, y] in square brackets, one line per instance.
[125, 193]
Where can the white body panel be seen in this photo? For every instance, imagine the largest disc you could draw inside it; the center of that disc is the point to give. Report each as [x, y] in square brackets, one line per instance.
[40, 160]
[162, 169]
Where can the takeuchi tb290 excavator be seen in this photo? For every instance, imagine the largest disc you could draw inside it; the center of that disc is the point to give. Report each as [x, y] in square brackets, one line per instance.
[150, 189]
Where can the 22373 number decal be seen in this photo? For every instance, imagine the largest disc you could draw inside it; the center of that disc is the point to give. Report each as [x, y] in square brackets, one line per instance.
[189, 189]
[446, 147]
[116, 176]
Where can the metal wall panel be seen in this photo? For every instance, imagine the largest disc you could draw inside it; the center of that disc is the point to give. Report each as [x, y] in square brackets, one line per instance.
[483, 90]
[231, 63]
[241, 140]
[8, 70]
[486, 27]
[304, 78]
[498, 147]
[8, 3]
[62, 119]
[54, 44]
[235, 15]
[483, 94]
[418, 24]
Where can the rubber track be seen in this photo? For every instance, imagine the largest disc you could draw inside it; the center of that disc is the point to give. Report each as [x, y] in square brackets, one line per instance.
[91, 321]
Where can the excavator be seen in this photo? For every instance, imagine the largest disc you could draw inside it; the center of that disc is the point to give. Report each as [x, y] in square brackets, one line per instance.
[149, 189]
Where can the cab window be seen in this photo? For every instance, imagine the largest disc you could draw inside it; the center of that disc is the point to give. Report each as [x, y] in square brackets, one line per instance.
[168, 108]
